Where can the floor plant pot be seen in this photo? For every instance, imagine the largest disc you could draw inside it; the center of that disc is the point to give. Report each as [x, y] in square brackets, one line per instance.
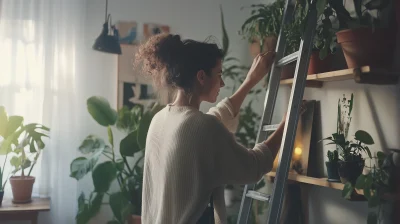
[350, 171]
[135, 219]
[1, 197]
[364, 46]
[288, 71]
[333, 171]
[22, 188]
[317, 65]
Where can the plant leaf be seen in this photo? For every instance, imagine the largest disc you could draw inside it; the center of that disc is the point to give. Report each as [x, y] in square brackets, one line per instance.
[347, 190]
[120, 206]
[364, 137]
[129, 145]
[113, 222]
[91, 144]
[81, 166]
[120, 165]
[373, 201]
[101, 111]
[360, 183]
[103, 175]
[372, 218]
[225, 38]
[377, 4]
[13, 123]
[87, 211]
[321, 4]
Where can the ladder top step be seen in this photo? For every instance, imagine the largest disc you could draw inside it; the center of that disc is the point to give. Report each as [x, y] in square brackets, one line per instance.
[270, 127]
[258, 196]
[288, 59]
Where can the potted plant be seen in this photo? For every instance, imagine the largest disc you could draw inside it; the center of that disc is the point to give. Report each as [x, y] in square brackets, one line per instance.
[24, 157]
[262, 28]
[352, 163]
[8, 131]
[376, 185]
[332, 166]
[368, 40]
[125, 203]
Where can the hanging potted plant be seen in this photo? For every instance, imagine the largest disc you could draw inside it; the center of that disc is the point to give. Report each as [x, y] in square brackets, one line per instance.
[126, 202]
[367, 40]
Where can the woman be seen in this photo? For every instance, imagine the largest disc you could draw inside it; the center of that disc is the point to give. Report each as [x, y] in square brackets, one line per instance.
[190, 155]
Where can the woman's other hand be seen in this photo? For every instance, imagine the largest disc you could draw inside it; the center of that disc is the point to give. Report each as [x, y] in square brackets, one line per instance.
[260, 67]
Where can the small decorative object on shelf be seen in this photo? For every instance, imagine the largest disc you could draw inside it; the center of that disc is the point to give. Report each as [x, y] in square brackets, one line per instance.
[332, 166]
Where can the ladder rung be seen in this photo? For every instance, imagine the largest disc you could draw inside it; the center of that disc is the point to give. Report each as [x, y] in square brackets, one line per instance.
[270, 127]
[286, 60]
[258, 196]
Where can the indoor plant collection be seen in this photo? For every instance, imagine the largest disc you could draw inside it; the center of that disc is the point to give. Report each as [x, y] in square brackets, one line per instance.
[25, 144]
[126, 201]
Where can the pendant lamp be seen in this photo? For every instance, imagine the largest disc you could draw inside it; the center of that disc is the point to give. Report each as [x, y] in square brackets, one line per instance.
[107, 42]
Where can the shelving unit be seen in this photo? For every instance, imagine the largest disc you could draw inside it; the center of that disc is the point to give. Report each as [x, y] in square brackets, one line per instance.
[363, 75]
[309, 180]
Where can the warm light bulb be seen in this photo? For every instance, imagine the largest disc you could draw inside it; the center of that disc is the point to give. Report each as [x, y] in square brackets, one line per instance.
[298, 151]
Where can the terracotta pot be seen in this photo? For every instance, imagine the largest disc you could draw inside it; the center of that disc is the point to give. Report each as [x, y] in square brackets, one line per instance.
[22, 188]
[350, 171]
[269, 45]
[317, 65]
[135, 219]
[366, 47]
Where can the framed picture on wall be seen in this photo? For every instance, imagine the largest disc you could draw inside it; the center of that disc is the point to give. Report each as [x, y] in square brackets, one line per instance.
[133, 87]
[301, 149]
[151, 29]
[127, 32]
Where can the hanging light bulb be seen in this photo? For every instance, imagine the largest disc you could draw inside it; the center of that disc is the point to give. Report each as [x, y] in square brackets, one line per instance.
[105, 42]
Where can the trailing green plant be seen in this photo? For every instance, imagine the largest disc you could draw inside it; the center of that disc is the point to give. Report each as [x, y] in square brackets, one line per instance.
[265, 20]
[375, 184]
[115, 169]
[352, 150]
[26, 149]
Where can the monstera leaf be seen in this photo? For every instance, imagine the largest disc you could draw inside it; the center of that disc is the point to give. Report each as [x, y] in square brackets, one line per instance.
[101, 111]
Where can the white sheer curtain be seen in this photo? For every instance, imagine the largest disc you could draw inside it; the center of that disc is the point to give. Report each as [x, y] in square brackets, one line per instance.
[41, 78]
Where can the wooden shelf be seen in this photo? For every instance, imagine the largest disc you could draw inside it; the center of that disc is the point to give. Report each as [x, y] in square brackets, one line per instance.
[309, 180]
[362, 75]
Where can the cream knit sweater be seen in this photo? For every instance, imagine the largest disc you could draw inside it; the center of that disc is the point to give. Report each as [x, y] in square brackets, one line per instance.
[190, 155]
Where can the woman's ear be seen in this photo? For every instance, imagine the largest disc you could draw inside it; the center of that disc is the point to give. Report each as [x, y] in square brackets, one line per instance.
[201, 77]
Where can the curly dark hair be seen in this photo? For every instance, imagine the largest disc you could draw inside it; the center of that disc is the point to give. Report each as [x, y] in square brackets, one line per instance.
[171, 62]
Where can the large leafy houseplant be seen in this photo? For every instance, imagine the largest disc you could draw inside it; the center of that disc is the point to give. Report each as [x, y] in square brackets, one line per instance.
[25, 143]
[126, 200]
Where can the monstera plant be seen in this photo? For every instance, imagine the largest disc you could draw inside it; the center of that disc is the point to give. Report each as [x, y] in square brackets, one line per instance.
[114, 168]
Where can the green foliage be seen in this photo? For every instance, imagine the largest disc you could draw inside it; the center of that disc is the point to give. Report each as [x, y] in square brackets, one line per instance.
[378, 182]
[333, 156]
[135, 123]
[351, 150]
[265, 20]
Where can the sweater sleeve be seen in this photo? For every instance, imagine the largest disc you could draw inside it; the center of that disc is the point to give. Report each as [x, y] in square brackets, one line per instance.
[233, 163]
[224, 112]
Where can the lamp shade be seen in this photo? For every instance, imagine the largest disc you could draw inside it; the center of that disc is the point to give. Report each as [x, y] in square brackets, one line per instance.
[107, 43]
